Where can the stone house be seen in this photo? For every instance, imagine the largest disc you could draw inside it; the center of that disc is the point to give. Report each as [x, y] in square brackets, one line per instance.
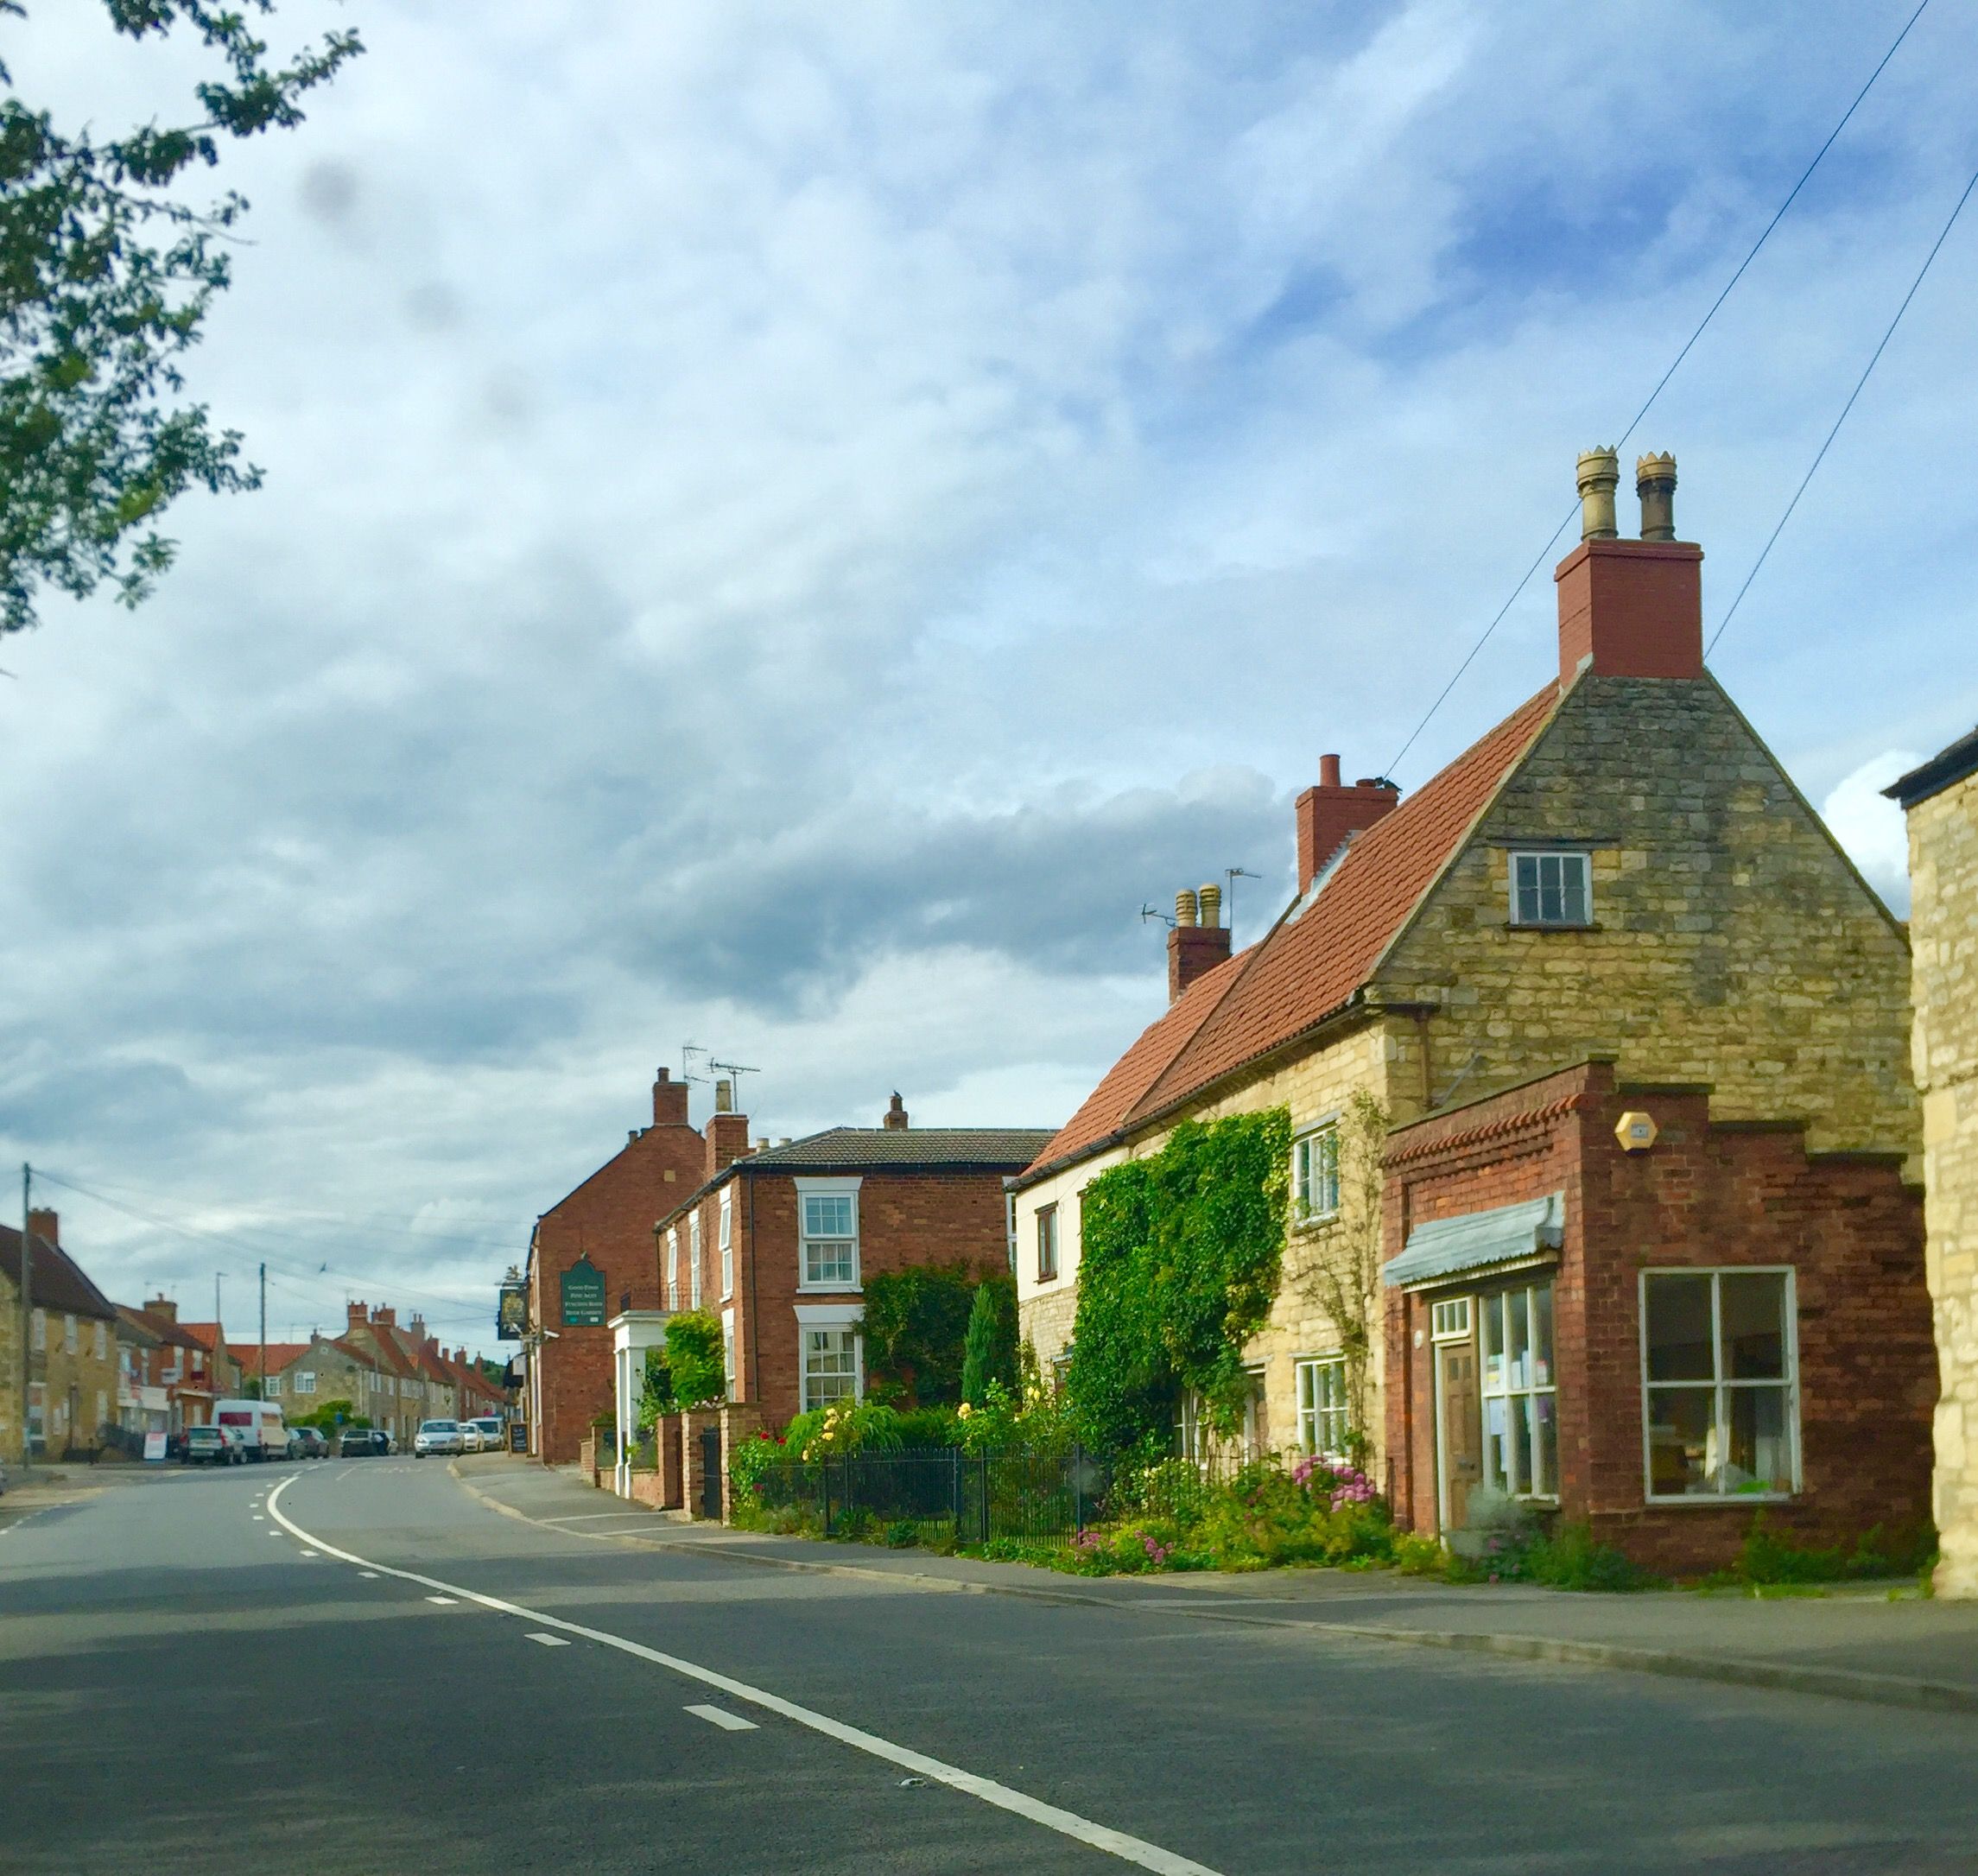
[143, 1403]
[1941, 801]
[780, 1242]
[303, 1376]
[71, 1352]
[590, 1257]
[1620, 866]
[1604, 1299]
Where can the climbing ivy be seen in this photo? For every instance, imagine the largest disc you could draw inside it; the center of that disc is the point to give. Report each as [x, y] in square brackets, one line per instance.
[1179, 1263]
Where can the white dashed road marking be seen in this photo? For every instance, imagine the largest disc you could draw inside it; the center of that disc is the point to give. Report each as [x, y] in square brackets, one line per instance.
[442, 1599]
[371, 1574]
[548, 1641]
[732, 1722]
[1135, 1850]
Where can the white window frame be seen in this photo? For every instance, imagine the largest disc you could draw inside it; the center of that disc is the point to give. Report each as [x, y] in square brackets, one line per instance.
[1315, 1171]
[1721, 1388]
[694, 1258]
[1511, 1391]
[68, 1332]
[101, 1345]
[728, 1354]
[1537, 856]
[273, 1387]
[1449, 1319]
[1315, 1412]
[40, 1335]
[834, 1317]
[845, 1187]
[672, 1266]
[725, 1237]
[306, 1381]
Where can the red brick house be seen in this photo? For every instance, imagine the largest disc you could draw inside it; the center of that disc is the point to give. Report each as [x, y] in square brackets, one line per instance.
[178, 1363]
[1602, 1302]
[590, 1257]
[779, 1243]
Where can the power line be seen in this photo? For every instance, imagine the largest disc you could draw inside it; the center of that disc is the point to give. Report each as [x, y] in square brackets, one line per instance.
[1525, 578]
[1820, 454]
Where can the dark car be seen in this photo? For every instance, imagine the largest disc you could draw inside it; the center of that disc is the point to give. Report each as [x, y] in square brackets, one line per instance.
[305, 1443]
[364, 1442]
[212, 1446]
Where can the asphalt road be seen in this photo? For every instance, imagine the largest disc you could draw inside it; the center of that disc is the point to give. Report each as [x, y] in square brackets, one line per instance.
[185, 1684]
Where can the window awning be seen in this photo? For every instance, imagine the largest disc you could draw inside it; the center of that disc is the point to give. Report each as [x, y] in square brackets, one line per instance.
[1449, 1247]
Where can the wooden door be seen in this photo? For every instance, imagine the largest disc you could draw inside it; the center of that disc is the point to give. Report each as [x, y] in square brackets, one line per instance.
[1459, 1417]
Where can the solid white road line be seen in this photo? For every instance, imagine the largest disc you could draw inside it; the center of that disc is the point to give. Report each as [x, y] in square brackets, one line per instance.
[732, 1722]
[1066, 1823]
[548, 1641]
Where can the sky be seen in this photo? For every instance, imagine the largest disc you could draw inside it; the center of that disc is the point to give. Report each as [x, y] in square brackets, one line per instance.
[785, 528]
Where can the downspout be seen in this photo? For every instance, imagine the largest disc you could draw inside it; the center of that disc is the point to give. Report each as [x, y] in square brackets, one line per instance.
[755, 1313]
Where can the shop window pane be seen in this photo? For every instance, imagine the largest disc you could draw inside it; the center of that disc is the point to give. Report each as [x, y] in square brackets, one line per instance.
[1518, 1302]
[1679, 1330]
[1542, 1337]
[1497, 1444]
[1491, 1309]
[1761, 1453]
[1544, 1482]
[1682, 1436]
[1521, 1444]
[1750, 1306]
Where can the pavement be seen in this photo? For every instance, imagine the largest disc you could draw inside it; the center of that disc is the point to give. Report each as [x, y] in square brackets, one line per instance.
[1886, 1644]
[345, 1668]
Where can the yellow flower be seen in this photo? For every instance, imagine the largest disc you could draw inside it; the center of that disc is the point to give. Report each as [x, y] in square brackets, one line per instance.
[963, 1411]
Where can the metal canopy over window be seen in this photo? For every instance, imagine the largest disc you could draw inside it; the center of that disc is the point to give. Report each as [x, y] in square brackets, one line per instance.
[1449, 1247]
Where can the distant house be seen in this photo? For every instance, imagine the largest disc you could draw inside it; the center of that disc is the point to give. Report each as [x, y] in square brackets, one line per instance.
[72, 1354]
[179, 1364]
[590, 1257]
[1941, 799]
[1618, 868]
[779, 1243]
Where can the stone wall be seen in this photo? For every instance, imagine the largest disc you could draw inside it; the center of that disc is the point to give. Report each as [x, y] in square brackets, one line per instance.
[1730, 942]
[10, 1428]
[1943, 930]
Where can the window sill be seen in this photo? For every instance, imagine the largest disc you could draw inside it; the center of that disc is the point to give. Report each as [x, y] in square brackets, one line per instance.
[851, 1289]
[1513, 924]
[1313, 1221]
[1719, 1501]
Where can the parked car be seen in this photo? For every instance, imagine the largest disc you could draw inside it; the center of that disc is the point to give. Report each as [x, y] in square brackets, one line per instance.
[438, 1436]
[364, 1442]
[471, 1439]
[212, 1446]
[494, 1435]
[308, 1443]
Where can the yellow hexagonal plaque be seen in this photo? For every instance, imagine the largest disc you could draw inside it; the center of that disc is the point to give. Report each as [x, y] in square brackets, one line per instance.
[1636, 1131]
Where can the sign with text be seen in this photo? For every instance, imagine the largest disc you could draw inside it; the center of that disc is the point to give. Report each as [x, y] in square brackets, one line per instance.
[583, 1296]
[512, 1317]
[154, 1446]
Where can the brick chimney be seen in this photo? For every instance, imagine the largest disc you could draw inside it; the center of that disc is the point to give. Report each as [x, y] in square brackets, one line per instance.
[417, 1329]
[668, 1100]
[1329, 815]
[385, 1318]
[46, 1226]
[163, 1306]
[1630, 608]
[355, 1316]
[895, 1114]
[727, 1140]
[1200, 940]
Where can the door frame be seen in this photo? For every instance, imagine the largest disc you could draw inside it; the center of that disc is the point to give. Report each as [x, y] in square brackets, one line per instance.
[1437, 1343]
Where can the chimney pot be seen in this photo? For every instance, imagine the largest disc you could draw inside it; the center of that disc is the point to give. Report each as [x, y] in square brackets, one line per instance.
[1599, 475]
[762, 1145]
[1655, 483]
[1328, 816]
[724, 1096]
[1185, 907]
[1209, 899]
[632, 1135]
[1328, 771]
[896, 1113]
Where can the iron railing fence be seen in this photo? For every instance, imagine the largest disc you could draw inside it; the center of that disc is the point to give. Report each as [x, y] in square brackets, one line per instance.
[939, 1490]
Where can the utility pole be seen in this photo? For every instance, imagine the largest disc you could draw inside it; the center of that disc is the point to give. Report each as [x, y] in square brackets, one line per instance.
[26, 1312]
[264, 1332]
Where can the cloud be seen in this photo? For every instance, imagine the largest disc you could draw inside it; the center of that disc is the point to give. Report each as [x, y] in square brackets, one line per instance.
[783, 533]
[1872, 827]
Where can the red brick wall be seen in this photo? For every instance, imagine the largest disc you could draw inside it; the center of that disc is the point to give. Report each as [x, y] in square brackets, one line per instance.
[1705, 1196]
[608, 1219]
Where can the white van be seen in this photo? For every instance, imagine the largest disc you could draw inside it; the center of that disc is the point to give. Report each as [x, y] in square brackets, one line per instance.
[256, 1423]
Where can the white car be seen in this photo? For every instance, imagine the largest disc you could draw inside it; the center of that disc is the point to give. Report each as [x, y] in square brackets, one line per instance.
[437, 1437]
[494, 1435]
[471, 1439]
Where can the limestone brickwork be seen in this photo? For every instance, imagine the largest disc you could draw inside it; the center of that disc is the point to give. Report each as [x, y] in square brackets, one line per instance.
[11, 1432]
[1943, 933]
[1730, 942]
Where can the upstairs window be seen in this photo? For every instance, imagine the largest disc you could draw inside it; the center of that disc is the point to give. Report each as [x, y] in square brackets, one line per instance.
[102, 1347]
[693, 1260]
[727, 1239]
[672, 1268]
[306, 1382]
[1315, 1173]
[1552, 888]
[830, 1241]
[1047, 1244]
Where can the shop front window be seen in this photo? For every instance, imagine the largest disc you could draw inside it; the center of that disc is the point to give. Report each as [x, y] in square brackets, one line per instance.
[1720, 1413]
[1521, 1398]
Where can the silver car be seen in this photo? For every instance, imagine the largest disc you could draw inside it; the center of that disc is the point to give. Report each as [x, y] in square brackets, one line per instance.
[494, 1438]
[436, 1436]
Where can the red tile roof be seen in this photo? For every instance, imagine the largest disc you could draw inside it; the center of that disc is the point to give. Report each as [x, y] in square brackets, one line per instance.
[1315, 960]
[280, 1355]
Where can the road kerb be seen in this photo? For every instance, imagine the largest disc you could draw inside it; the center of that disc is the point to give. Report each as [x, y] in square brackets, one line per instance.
[1734, 1671]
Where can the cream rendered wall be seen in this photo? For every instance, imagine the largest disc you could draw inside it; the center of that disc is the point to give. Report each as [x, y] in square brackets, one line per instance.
[1045, 1311]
